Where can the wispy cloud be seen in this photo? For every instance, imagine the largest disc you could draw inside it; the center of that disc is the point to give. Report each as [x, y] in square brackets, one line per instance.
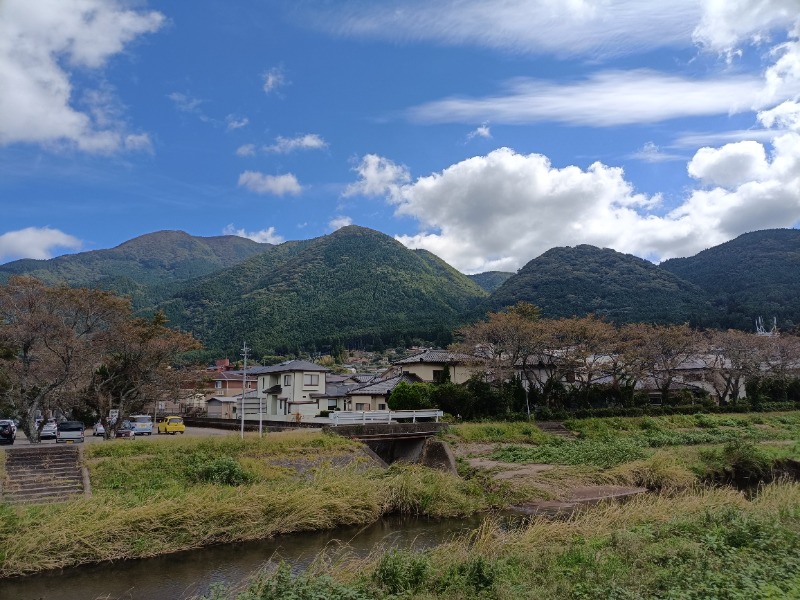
[482, 131]
[234, 122]
[651, 153]
[274, 79]
[246, 150]
[308, 141]
[605, 99]
[276, 185]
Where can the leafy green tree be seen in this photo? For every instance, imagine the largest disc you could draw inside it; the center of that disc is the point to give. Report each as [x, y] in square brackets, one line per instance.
[411, 396]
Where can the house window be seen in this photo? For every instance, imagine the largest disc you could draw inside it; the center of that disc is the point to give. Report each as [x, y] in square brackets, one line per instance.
[218, 385]
[311, 379]
[287, 380]
[331, 404]
[381, 407]
[438, 375]
[361, 406]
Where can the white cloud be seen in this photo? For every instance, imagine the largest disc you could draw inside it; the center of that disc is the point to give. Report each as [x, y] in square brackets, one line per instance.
[234, 122]
[274, 79]
[605, 99]
[339, 222]
[41, 43]
[189, 105]
[138, 141]
[308, 141]
[651, 153]
[500, 210]
[265, 236]
[246, 150]
[378, 176]
[726, 24]
[35, 242]
[276, 185]
[731, 165]
[561, 27]
[482, 131]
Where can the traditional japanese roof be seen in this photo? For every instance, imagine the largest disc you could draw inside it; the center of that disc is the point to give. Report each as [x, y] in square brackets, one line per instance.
[383, 386]
[288, 366]
[434, 356]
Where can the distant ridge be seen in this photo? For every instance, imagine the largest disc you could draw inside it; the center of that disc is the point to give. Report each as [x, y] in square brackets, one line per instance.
[576, 281]
[146, 267]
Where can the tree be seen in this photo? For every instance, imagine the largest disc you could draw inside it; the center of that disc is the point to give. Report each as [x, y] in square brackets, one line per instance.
[502, 344]
[734, 357]
[137, 367]
[659, 352]
[411, 396]
[53, 338]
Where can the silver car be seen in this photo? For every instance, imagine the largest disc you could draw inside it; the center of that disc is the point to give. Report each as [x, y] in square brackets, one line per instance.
[49, 430]
[69, 432]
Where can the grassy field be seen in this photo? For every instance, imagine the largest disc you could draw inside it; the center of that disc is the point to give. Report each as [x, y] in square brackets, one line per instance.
[161, 496]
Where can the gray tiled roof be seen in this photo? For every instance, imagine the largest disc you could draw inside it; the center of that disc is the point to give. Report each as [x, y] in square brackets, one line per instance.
[433, 356]
[384, 386]
[286, 367]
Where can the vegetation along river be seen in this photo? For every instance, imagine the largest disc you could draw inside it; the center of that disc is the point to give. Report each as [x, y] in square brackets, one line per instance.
[188, 574]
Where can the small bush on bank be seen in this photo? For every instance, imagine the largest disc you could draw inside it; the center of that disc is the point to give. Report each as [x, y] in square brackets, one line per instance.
[220, 470]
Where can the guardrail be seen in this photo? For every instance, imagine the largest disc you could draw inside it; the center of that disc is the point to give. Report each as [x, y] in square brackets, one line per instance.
[381, 416]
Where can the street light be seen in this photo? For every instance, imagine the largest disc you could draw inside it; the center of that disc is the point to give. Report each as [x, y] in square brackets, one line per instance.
[245, 350]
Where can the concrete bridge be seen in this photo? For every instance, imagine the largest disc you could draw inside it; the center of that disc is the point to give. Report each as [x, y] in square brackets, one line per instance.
[407, 442]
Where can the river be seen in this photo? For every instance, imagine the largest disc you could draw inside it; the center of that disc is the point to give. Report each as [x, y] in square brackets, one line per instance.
[187, 574]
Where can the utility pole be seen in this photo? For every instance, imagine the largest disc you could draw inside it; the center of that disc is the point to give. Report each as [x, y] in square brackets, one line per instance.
[245, 350]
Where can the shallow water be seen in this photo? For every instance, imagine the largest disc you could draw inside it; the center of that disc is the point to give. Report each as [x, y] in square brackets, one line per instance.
[192, 573]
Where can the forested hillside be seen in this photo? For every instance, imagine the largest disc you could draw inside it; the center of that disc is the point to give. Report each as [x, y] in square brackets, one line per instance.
[355, 283]
[490, 280]
[565, 282]
[145, 268]
[756, 274]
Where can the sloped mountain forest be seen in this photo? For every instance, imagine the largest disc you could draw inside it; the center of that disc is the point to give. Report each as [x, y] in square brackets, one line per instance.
[362, 288]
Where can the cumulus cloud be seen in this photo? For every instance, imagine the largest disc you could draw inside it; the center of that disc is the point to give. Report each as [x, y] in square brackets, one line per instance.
[273, 80]
[40, 45]
[35, 242]
[276, 185]
[138, 141]
[339, 222]
[308, 141]
[498, 211]
[265, 236]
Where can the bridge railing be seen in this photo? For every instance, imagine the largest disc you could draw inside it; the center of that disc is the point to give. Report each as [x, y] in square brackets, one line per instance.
[381, 416]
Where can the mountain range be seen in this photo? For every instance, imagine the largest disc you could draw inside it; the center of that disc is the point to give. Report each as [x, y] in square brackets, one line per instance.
[358, 286]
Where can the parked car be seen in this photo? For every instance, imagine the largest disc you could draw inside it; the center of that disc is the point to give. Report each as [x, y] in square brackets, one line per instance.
[69, 432]
[98, 429]
[142, 424]
[49, 430]
[8, 431]
[171, 425]
[126, 430]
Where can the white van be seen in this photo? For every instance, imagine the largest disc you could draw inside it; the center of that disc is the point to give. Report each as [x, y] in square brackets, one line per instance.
[142, 424]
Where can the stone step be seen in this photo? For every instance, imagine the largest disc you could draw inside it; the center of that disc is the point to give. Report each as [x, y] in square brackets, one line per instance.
[555, 428]
[42, 474]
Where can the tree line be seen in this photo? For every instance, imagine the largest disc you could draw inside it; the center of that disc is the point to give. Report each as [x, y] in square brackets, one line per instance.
[522, 361]
[73, 350]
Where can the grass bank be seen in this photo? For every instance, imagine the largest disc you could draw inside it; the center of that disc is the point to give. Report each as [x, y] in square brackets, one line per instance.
[704, 544]
[161, 496]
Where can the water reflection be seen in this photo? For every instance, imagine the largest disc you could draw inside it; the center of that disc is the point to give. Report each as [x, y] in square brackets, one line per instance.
[187, 574]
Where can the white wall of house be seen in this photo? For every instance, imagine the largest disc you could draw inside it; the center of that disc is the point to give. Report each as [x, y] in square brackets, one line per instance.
[431, 372]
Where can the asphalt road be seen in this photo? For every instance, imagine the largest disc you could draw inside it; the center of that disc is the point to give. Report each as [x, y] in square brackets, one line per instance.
[89, 438]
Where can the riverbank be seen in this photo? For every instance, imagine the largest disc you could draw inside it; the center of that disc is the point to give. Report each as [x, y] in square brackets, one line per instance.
[162, 496]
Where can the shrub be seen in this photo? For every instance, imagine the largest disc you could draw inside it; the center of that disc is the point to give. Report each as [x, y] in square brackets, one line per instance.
[221, 470]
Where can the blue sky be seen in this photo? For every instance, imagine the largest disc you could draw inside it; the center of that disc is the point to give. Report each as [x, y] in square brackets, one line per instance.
[485, 132]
